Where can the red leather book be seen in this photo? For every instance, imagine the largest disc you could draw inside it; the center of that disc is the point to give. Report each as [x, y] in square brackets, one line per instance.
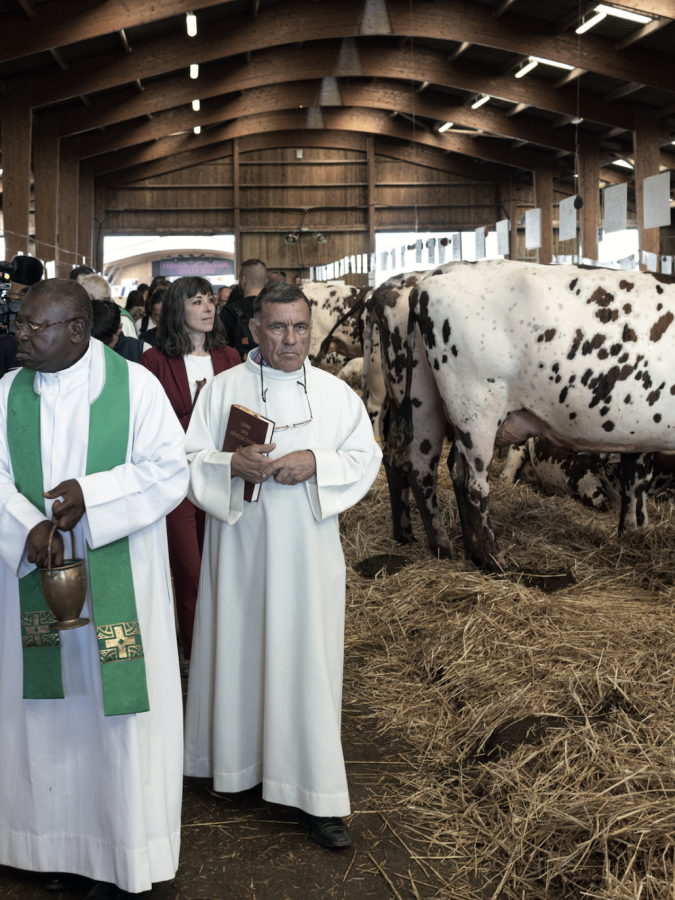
[244, 428]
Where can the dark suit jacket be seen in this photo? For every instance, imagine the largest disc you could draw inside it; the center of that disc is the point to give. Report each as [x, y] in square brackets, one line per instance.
[171, 372]
[8, 358]
[149, 336]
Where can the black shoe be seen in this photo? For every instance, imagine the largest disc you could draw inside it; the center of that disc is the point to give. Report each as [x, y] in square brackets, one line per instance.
[125, 895]
[59, 881]
[103, 891]
[329, 831]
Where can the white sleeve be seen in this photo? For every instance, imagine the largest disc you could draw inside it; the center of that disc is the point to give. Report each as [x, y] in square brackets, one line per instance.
[154, 479]
[344, 474]
[212, 487]
[18, 516]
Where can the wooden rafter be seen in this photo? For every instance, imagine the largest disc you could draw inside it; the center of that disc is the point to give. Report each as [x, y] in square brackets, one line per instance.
[297, 94]
[348, 119]
[344, 140]
[70, 21]
[305, 20]
[319, 59]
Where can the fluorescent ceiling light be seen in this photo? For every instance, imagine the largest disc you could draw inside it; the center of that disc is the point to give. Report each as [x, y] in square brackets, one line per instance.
[531, 64]
[552, 62]
[589, 23]
[195, 105]
[622, 163]
[197, 129]
[480, 101]
[191, 24]
[194, 70]
[449, 125]
[622, 14]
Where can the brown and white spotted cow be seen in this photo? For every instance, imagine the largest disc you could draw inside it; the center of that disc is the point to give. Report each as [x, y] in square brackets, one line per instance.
[593, 478]
[580, 356]
[387, 312]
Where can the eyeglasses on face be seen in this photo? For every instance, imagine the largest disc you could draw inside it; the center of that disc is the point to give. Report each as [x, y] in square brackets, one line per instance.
[31, 329]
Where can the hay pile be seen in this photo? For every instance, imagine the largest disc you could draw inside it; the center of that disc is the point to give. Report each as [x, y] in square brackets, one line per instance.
[578, 805]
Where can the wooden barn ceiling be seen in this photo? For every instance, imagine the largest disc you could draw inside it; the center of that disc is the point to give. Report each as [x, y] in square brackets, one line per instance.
[117, 74]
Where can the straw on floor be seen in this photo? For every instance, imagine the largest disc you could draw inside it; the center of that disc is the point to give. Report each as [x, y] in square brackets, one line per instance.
[581, 804]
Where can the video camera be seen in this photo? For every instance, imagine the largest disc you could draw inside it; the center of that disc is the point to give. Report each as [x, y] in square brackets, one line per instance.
[21, 270]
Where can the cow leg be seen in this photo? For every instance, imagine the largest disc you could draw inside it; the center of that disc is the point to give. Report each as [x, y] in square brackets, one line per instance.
[470, 475]
[637, 470]
[423, 479]
[400, 504]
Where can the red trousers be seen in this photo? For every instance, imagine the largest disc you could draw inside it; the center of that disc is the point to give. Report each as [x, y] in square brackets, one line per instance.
[185, 530]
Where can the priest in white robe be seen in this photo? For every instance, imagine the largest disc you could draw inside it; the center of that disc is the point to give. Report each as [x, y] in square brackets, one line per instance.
[265, 692]
[87, 787]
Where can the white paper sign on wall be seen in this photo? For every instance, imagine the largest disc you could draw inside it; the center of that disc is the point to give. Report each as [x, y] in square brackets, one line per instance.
[457, 248]
[480, 242]
[667, 265]
[650, 260]
[567, 227]
[503, 237]
[431, 247]
[403, 257]
[656, 200]
[418, 251]
[615, 203]
[384, 259]
[533, 229]
[441, 253]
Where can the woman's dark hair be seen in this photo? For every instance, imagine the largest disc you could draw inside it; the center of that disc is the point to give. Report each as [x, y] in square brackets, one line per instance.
[142, 287]
[172, 336]
[134, 299]
[106, 320]
[156, 284]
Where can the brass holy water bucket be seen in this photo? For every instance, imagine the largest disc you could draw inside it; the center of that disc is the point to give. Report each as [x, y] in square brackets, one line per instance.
[64, 588]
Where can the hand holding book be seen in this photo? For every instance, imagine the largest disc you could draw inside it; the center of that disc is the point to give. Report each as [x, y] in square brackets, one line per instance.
[250, 463]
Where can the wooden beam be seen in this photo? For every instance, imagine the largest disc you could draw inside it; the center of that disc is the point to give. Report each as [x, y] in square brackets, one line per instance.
[69, 184]
[459, 51]
[28, 8]
[371, 121]
[46, 182]
[543, 198]
[646, 142]
[650, 28]
[419, 155]
[589, 174]
[236, 203]
[99, 222]
[372, 195]
[569, 77]
[508, 197]
[302, 94]
[59, 59]
[85, 213]
[320, 60]
[503, 6]
[624, 91]
[16, 146]
[304, 20]
[70, 21]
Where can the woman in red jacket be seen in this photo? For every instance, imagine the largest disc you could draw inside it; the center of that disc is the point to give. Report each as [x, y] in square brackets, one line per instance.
[190, 350]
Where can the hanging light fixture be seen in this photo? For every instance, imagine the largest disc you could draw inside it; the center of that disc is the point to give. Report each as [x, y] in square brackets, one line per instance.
[444, 127]
[480, 101]
[191, 24]
[197, 129]
[590, 23]
[195, 105]
[194, 70]
[529, 65]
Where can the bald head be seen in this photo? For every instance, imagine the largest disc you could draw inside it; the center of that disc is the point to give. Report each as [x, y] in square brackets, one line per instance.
[65, 295]
[60, 313]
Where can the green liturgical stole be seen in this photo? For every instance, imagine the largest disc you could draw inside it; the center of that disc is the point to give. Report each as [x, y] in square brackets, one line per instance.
[112, 588]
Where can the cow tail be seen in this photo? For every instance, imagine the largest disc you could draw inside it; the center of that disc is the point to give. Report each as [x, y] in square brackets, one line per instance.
[400, 434]
[367, 350]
